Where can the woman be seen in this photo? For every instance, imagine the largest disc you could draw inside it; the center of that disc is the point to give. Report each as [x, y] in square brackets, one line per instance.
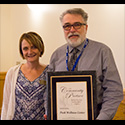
[25, 88]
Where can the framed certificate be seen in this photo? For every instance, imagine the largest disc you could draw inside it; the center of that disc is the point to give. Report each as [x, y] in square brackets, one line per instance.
[71, 95]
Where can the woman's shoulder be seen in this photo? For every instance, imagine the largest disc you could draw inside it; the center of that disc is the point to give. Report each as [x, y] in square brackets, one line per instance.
[13, 69]
[46, 67]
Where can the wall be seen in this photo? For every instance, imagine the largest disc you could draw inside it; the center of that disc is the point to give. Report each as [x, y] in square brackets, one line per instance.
[106, 24]
[6, 43]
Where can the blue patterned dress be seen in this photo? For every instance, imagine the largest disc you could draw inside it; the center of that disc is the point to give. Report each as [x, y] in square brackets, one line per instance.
[30, 98]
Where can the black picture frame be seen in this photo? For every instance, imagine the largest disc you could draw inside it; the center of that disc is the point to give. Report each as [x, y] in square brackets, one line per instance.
[54, 78]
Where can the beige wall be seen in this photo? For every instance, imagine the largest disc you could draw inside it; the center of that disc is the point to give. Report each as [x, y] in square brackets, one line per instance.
[106, 24]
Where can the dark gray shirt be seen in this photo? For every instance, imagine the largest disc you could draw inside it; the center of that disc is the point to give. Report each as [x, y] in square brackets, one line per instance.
[98, 57]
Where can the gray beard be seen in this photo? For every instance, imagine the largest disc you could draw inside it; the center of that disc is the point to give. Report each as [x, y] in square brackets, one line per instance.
[76, 43]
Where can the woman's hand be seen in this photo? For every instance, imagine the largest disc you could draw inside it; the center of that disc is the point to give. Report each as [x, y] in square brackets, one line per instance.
[45, 117]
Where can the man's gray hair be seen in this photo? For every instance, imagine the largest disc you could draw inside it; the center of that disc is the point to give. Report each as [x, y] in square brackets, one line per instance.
[78, 11]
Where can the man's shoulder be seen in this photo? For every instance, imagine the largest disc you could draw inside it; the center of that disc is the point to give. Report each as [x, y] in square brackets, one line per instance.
[99, 45]
[61, 49]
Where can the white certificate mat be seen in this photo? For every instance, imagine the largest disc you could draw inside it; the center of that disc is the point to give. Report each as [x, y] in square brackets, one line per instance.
[71, 99]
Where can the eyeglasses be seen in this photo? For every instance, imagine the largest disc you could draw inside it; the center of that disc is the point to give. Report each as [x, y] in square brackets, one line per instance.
[76, 26]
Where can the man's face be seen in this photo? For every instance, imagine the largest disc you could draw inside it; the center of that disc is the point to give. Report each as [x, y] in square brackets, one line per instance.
[74, 36]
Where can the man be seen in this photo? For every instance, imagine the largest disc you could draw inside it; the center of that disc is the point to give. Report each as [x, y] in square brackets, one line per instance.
[89, 55]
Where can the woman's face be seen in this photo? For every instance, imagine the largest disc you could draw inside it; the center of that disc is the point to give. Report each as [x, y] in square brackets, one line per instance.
[30, 52]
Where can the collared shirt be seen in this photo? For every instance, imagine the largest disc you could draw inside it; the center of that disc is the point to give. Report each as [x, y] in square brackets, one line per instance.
[98, 57]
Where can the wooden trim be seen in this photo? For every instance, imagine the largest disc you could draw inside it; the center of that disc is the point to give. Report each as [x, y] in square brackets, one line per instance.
[2, 79]
[123, 101]
[120, 114]
[2, 75]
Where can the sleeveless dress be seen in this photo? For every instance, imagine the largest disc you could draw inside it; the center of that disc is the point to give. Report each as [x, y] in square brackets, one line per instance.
[30, 97]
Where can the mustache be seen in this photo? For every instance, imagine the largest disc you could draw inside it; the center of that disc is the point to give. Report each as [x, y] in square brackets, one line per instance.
[73, 34]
